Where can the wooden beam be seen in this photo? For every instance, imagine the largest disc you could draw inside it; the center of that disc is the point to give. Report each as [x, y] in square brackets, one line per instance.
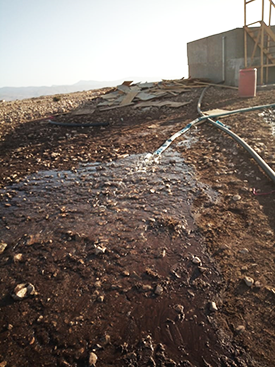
[269, 31]
[268, 44]
[251, 34]
[255, 46]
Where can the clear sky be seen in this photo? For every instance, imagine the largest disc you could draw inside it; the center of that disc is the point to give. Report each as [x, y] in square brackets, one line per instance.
[54, 42]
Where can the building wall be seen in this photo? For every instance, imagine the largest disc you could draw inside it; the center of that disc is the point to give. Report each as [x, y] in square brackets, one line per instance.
[205, 57]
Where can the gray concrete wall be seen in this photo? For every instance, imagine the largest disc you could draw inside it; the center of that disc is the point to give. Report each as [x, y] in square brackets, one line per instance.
[205, 57]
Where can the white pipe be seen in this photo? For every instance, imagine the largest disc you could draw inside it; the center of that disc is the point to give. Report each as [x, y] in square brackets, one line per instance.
[223, 59]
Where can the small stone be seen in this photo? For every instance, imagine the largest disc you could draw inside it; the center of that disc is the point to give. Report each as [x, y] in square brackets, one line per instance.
[18, 258]
[23, 290]
[258, 284]
[179, 308]
[244, 251]
[202, 269]
[40, 318]
[146, 288]
[158, 290]
[248, 281]
[98, 284]
[240, 329]
[106, 339]
[196, 260]
[236, 197]
[92, 359]
[213, 307]
[100, 299]
[99, 249]
[126, 273]
[2, 247]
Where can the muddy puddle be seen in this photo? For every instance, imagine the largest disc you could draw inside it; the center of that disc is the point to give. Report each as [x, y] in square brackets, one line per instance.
[118, 266]
[268, 116]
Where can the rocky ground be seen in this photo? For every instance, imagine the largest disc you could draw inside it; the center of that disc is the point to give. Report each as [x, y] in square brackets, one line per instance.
[108, 258]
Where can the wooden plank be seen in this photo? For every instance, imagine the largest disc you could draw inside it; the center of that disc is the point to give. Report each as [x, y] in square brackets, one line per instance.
[129, 97]
[256, 45]
[127, 82]
[111, 95]
[84, 111]
[113, 107]
[161, 104]
[124, 88]
[145, 85]
[147, 96]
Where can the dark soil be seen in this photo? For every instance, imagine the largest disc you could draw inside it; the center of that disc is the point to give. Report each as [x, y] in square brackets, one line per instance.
[129, 260]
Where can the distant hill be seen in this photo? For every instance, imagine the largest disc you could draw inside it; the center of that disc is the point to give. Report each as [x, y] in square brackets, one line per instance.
[13, 93]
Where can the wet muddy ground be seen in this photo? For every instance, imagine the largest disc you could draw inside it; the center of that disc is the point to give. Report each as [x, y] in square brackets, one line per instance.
[113, 258]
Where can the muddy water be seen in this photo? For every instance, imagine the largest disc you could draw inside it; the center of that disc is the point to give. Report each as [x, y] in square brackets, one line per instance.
[110, 250]
[269, 117]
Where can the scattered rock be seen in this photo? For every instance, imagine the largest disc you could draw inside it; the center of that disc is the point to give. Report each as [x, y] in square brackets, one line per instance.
[244, 251]
[248, 281]
[196, 260]
[213, 307]
[18, 258]
[99, 249]
[22, 291]
[192, 294]
[152, 273]
[202, 269]
[98, 284]
[146, 288]
[2, 247]
[92, 359]
[236, 197]
[100, 299]
[240, 329]
[126, 273]
[158, 290]
[179, 308]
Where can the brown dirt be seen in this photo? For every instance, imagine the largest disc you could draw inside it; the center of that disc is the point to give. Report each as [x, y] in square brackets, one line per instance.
[123, 304]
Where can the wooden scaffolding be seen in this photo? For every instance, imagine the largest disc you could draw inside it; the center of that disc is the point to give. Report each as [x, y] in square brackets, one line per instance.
[264, 41]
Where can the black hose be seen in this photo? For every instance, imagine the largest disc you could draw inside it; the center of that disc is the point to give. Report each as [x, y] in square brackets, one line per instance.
[240, 141]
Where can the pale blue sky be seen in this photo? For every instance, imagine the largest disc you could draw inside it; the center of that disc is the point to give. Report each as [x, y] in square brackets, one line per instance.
[46, 42]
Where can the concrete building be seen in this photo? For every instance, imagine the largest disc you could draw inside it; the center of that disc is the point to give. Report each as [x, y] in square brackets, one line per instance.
[221, 56]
